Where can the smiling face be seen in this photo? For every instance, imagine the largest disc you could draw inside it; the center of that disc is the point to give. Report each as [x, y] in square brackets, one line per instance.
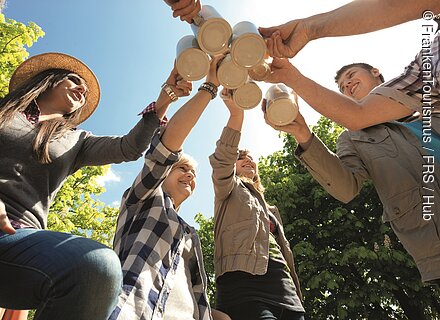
[357, 82]
[245, 165]
[66, 97]
[180, 182]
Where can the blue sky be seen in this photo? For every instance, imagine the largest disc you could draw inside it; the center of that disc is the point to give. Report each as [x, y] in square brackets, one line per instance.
[131, 47]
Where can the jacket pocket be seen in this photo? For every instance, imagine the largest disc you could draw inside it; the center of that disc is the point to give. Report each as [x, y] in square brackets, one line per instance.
[420, 237]
[238, 238]
[375, 142]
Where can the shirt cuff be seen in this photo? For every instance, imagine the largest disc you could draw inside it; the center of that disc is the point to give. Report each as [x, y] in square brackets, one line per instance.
[151, 108]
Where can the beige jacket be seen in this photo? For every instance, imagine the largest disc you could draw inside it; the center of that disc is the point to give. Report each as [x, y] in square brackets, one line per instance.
[241, 218]
[392, 157]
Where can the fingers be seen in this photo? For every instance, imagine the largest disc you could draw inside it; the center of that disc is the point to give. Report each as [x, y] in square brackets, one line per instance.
[5, 224]
[183, 88]
[263, 106]
[226, 94]
[267, 32]
[186, 9]
[189, 17]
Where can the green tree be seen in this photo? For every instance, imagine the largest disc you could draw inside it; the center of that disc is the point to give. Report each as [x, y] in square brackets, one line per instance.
[14, 38]
[350, 263]
[206, 235]
[76, 209]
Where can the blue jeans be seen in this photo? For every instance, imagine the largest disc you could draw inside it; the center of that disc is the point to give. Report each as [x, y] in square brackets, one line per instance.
[61, 275]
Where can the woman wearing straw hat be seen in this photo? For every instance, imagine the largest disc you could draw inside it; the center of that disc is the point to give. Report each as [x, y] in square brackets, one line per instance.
[61, 275]
[254, 266]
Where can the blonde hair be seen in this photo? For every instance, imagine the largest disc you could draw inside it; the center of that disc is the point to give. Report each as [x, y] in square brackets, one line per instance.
[185, 159]
[25, 95]
[255, 181]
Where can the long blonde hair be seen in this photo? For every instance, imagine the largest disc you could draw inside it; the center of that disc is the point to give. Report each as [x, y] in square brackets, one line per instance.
[255, 181]
[24, 96]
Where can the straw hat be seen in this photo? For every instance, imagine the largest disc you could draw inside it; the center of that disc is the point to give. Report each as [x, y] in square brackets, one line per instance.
[55, 60]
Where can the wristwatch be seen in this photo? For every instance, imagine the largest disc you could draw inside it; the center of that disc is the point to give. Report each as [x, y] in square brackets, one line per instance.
[169, 91]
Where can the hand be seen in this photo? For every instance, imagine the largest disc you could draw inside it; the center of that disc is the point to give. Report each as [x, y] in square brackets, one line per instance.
[281, 71]
[226, 96]
[186, 9]
[298, 128]
[286, 40]
[5, 224]
[212, 74]
[181, 88]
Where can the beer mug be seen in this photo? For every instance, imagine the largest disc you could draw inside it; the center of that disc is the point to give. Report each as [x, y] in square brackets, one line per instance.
[281, 107]
[212, 31]
[230, 75]
[260, 72]
[191, 62]
[248, 46]
[247, 96]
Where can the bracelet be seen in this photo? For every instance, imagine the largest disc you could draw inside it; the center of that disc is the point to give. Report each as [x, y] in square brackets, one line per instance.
[209, 87]
[169, 91]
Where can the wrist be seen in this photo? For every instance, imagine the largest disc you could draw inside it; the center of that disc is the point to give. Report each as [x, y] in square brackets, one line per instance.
[209, 87]
[168, 90]
[305, 140]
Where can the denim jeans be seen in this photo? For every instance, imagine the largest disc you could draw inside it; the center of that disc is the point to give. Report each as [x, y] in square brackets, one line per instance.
[64, 277]
[257, 310]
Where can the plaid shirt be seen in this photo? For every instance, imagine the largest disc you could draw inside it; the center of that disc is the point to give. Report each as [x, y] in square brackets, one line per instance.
[149, 242]
[408, 87]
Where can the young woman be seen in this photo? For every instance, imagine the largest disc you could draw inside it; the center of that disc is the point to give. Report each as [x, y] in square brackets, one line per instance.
[161, 254]
[61, 275]
[255, 272]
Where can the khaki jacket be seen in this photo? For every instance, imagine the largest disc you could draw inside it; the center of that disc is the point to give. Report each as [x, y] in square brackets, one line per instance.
[392, 157]
[241, 217]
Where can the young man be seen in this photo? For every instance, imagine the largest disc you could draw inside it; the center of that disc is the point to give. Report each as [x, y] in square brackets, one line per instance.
[394, 100]
[163, 274]
[391, 154]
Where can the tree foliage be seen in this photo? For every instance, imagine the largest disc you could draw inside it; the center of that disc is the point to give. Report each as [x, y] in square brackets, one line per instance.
[76, 209]
[350, 264]
[14, 38]
[206, 235]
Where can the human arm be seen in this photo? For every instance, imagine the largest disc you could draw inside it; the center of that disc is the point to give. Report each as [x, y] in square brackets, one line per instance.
[5, 224]
[185, 9]
[101, 150]
[354, 115]
[183, 121]
[341, 174]
[226, 153]
[356, 17]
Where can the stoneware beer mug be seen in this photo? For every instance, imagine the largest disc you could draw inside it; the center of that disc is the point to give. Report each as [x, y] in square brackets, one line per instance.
[260, 72]
[230, 75]
[247, 96]
[212, 31]
[281, 106]
[191, 62]
[248, 46]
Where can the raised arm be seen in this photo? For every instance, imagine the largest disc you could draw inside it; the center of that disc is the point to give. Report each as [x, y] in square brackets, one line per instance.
[341, 174]
[101, 150]
[373, 109]
[356, 17]
[182, 122]
[225, 155]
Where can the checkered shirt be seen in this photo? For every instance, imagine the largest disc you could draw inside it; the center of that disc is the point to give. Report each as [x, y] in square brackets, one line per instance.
[408, 87]
[148, 240]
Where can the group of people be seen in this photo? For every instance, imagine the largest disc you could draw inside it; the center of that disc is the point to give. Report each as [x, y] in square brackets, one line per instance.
[156, 269]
